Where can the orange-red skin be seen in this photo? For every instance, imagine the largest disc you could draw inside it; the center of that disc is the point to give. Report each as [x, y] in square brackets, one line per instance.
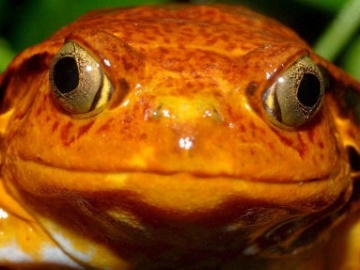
[183, 164]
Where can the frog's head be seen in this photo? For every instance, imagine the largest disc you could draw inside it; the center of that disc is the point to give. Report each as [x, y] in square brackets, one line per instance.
[151, 130]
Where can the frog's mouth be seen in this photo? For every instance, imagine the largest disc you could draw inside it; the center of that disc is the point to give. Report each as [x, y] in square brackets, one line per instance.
[152, 213]
[183, 192]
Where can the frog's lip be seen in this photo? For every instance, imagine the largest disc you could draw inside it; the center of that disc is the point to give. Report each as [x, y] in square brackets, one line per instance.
[340, 168]
[155, 185]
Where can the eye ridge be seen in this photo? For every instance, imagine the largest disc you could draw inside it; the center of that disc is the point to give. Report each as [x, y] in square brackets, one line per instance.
[66, 74]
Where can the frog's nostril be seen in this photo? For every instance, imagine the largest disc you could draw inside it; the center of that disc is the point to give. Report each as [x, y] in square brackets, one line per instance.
[212, 113]
[182, 110]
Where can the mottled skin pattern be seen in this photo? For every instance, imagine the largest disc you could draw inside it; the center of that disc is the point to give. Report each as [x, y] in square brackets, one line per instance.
[182, 169]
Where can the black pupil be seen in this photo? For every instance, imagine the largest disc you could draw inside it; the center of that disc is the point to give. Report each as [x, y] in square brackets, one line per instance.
[66, 74]
[309, 90]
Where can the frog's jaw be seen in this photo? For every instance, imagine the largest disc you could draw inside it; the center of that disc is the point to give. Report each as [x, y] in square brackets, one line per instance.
[24, 242]
[150, 214]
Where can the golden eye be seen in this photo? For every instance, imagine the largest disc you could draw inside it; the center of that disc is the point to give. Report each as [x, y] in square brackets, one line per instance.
[296, 96]
[77, 81]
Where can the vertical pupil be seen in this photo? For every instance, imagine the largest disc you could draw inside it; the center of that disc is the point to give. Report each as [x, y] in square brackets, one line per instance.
[309, 90]
[66, 74]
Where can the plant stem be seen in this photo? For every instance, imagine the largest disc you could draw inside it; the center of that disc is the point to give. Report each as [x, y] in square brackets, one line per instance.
[340, 31]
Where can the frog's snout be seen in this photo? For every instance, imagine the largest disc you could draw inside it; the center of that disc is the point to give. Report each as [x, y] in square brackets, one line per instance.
[184, 110]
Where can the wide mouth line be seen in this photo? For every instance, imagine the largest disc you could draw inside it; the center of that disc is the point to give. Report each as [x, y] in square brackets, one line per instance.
[199, 175]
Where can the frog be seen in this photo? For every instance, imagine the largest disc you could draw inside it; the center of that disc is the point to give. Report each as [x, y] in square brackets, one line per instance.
[178, 137]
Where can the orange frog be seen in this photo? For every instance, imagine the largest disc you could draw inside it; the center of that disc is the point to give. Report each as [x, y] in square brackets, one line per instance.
[178, 137]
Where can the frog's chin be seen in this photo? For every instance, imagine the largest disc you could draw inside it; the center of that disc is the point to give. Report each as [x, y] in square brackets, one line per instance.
[262, 219]
[149, 213]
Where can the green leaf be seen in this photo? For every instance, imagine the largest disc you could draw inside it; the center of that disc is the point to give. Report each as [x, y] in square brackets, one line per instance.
[6, 54]
[338, 34]
[351, 61]
[324, 5]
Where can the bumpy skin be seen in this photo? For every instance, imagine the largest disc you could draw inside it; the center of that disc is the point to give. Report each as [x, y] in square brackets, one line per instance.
[182, 169]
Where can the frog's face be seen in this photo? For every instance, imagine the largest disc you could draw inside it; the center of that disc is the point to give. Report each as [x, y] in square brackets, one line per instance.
[148, 130]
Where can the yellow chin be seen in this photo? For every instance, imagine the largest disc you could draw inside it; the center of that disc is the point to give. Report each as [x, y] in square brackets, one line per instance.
[136, 214]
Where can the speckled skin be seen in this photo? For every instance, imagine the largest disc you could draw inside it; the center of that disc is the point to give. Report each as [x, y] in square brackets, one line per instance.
[182, 169]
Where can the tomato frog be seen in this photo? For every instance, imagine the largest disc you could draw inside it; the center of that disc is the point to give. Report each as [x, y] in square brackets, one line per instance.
[178, 137]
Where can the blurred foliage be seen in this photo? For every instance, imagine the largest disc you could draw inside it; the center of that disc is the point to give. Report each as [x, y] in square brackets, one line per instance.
[26, 22]
[6, 54]
[351, 60]
[328, 5]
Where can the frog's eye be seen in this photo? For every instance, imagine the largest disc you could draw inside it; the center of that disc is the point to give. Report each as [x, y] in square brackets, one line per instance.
[296, 96]
[77, 81]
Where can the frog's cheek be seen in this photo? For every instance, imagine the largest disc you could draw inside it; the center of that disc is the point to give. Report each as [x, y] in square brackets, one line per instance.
[16, 93]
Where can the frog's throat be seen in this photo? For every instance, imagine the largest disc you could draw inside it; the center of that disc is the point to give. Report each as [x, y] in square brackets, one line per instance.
[181, 208]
